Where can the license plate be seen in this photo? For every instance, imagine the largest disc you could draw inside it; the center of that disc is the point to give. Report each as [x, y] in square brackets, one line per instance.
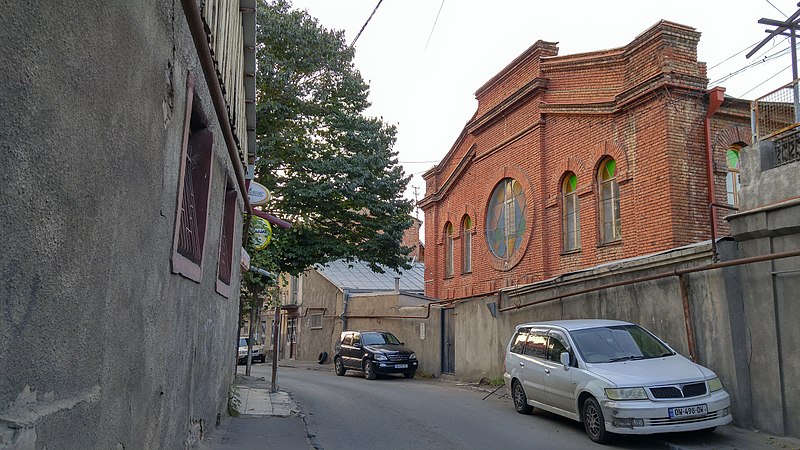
[688, 411]
[401, 366]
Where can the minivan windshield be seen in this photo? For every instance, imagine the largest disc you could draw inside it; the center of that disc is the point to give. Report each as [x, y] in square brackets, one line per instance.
[618, 343]
[375, 338]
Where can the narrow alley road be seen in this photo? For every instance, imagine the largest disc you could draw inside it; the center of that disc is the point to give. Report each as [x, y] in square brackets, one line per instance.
[351, 412]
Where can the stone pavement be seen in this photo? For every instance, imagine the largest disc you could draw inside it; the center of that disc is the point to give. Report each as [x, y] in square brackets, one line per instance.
[274, 421]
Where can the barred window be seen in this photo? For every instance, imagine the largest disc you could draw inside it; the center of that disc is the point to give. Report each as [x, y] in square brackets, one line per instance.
[193, 190]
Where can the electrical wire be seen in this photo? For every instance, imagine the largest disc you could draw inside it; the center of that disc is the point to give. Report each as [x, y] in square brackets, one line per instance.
[365, 23]
[776, 8]
[759, 84]
[761, 60]
[433, 28]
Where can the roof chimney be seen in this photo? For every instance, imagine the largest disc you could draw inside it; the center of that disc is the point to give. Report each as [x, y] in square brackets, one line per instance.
[397, 283]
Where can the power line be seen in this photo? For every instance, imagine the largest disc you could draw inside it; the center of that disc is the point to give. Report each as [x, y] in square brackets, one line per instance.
[365, 23]
[433, 27]
[759, 84]
[776, 8]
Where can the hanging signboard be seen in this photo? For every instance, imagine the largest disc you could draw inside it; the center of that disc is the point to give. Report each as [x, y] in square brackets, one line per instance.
[260, 232]
[258, 194]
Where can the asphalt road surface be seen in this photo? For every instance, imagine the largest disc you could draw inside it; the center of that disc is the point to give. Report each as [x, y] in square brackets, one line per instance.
[391, 412]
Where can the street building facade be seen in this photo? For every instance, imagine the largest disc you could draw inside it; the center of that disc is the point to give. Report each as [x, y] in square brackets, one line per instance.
[578, 160]
[124, 138]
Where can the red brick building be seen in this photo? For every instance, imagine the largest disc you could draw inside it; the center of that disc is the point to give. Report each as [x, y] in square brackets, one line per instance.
[572, 161]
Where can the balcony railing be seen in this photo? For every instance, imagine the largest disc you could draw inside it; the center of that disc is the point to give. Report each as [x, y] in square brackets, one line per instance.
[776, 118]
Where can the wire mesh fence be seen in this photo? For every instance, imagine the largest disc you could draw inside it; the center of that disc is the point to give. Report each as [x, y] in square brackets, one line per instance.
[776, 112]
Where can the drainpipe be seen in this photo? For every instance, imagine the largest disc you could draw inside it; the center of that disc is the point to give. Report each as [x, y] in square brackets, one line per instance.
[715, 98]
[343, 315]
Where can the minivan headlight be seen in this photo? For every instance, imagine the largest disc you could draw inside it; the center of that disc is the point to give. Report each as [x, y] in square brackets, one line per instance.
[380, 357]
[626, 393]
[714, 385]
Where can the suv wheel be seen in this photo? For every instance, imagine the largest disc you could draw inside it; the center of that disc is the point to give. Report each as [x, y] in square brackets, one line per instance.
[337, 363]
[520, 399]
[594, 422]
[369, 370]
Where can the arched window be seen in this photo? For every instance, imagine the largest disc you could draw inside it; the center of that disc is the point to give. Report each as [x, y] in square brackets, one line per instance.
[571, 213]
[466, 245]
[610, 223]
[505, 219]
[448, 250]
[732, 179]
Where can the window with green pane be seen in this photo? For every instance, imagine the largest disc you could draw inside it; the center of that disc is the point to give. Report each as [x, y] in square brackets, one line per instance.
[571, 213]
[505, 219]
[610, 223]
[448, 250]
[466, 245]
[732, 177]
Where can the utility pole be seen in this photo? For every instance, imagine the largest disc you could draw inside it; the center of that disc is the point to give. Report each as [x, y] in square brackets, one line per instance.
[416, 202]
[788, 28]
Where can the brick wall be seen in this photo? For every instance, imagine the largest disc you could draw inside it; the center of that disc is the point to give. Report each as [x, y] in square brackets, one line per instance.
[546, 115]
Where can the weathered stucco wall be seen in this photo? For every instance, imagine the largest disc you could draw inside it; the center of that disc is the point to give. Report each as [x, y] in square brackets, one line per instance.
[101, 346]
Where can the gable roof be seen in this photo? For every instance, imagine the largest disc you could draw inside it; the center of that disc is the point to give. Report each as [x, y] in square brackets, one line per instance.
[356, 276]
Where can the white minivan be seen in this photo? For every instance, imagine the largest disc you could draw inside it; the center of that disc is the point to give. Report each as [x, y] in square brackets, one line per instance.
[615, 377]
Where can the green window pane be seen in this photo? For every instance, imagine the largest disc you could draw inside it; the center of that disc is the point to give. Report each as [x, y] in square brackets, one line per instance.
[733, 159]
[572, 184]
[608, 169]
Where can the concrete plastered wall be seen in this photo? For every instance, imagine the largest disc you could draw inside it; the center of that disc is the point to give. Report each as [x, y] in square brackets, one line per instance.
[101, 346]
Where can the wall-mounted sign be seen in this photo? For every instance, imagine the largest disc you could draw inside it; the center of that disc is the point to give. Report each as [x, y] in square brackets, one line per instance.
[245, 262]
[260, 232]
[258, 194]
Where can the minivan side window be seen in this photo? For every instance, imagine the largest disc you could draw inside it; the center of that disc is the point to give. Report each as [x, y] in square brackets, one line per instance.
[555, 346]
[348, 339]
[536, 345]
[518, 343]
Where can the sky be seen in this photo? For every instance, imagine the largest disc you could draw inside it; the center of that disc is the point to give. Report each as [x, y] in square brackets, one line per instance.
[423, 71]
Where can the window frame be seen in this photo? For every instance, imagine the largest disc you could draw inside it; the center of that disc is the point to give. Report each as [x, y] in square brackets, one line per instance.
[315, 317]
[449, 248]
[194, 185]
[732, 180]
[611, 205]
[466, 244]
[225, 260]
[570, 198]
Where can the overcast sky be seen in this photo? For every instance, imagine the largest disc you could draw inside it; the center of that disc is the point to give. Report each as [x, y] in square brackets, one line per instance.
[424, 82]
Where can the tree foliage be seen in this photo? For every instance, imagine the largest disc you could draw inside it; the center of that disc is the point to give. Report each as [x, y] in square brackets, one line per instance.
[332, 170]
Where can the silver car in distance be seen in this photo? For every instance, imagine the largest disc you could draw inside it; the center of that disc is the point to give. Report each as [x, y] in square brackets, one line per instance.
[615, 377]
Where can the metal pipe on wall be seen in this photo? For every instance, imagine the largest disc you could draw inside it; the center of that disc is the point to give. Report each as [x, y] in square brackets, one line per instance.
[195, 21]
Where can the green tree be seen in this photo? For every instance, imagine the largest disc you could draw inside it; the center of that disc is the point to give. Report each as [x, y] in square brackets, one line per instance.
[332, 170]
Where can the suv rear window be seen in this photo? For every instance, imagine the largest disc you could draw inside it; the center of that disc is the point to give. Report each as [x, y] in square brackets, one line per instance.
[347, 339]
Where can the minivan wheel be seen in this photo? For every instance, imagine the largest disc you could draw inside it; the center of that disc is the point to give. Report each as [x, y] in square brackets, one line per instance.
[594, 422]
[520, 399]
[337, 363]
[369, 370]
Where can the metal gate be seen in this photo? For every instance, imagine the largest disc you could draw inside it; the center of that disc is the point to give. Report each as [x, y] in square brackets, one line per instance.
[448, 341]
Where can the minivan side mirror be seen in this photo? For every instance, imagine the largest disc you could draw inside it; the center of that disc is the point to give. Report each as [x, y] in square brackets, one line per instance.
[565, 360]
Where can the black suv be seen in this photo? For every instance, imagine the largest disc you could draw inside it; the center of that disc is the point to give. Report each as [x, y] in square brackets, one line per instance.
[373, 352]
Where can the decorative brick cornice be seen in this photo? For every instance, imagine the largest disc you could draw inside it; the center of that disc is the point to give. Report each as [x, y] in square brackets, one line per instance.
[512, 102]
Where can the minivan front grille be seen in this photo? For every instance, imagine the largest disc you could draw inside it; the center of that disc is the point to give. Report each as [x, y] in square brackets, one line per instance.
[686, 391]
[694, 389]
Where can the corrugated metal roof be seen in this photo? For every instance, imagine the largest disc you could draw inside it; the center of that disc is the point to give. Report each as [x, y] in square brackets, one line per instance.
[358, 277]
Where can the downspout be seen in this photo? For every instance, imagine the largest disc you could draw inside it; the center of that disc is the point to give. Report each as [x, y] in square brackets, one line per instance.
[343, 315]
[196, 27]
[715, 98]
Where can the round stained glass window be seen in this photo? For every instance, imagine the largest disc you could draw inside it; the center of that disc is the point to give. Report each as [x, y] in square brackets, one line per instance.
[505, 219]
